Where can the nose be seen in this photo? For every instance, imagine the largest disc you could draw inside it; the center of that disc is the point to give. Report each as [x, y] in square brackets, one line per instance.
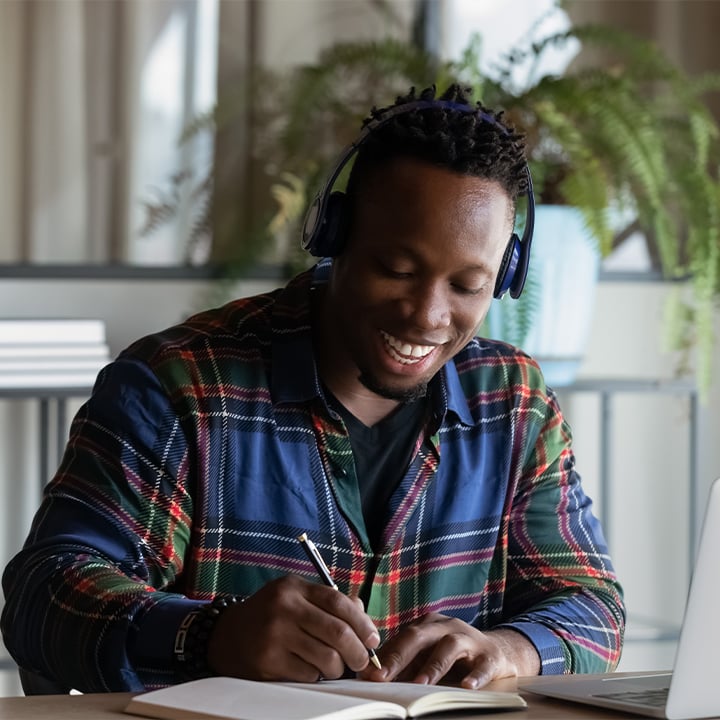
[430, 306]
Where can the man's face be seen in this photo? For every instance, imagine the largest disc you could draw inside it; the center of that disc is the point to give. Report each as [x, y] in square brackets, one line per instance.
[416, 277]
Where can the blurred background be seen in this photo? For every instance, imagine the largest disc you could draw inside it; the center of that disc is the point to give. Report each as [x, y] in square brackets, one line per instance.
[156, 157]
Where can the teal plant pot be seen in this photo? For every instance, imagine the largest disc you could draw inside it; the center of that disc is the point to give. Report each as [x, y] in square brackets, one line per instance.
[552, 318]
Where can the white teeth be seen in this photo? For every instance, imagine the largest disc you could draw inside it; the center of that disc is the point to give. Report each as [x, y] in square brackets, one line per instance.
[402, 351]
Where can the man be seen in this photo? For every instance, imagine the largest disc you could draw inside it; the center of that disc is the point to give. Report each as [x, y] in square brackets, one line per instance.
[433, 469]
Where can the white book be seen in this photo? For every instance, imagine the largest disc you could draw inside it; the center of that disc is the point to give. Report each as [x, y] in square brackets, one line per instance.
[234, 699]
[14, 331]
[80, 379]
[51, 365]
[79, 351]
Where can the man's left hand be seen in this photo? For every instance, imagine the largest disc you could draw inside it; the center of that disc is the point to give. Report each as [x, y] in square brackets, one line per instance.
[438, 648]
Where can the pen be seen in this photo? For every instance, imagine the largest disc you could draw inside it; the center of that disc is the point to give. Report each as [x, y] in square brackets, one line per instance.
[322, 569]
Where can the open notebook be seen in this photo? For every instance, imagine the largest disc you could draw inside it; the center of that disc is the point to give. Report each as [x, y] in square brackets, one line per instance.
[691, 690]
[234, 699]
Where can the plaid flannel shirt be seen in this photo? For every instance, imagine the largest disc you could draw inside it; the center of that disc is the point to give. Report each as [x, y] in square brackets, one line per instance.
[206, 449]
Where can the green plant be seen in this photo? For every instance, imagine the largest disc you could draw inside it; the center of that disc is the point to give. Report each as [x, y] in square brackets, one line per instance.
[517, 316]
[634, 138]
[635, 132]
[631, 138]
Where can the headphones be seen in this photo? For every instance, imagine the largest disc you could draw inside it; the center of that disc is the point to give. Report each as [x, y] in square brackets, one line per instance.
[322, 231]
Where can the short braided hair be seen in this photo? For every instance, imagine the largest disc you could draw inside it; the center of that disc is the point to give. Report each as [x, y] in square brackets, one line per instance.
[460, 141]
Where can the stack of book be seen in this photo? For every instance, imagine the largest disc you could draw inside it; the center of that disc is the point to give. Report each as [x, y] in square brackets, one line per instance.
[51, 353]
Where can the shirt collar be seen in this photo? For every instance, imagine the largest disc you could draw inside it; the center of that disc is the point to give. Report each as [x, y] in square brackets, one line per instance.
[448, 395]
[294, 375]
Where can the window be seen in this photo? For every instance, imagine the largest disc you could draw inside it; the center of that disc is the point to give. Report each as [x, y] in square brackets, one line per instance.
[93, 122]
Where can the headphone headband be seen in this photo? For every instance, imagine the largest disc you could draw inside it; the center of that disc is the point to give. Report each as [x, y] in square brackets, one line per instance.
[322, 229]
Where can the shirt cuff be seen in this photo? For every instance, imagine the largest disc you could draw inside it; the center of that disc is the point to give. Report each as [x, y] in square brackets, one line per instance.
[152, 636]
[549, 646]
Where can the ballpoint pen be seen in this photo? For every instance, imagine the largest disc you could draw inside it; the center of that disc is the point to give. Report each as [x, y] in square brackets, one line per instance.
[322, 569]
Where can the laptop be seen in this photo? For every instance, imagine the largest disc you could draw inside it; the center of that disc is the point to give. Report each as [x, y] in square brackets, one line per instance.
[692, 689]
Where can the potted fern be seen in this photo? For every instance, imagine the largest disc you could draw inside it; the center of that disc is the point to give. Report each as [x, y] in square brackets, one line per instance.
[632, 139]
[636, 140]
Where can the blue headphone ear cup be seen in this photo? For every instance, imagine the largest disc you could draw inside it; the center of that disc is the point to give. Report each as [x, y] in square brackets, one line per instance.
[311, 224]
[328, 238]
[508, 267]
[521, 271]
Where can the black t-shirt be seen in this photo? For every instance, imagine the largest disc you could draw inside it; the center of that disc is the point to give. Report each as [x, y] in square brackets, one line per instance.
[381, 453]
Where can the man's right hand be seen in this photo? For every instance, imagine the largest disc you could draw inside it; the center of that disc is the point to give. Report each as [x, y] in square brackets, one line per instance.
[294, 630]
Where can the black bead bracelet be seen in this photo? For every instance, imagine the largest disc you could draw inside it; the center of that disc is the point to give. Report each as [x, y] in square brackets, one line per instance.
[193, 636]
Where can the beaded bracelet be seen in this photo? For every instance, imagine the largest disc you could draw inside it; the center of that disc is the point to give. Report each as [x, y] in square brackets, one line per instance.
[193, 635]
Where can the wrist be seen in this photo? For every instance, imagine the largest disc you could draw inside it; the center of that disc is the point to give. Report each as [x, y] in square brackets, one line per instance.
[190, 650]
[518, 650]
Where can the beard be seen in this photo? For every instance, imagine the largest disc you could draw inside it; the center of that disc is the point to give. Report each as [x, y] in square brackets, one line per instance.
[405, 395]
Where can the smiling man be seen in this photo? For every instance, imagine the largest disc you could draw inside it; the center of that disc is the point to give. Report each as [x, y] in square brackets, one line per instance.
[414, 282]
[432, 468]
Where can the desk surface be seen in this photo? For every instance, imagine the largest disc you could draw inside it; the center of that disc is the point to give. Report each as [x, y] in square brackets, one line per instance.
[110, 707]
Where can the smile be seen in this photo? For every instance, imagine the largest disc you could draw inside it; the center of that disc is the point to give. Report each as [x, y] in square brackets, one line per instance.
[404, 352]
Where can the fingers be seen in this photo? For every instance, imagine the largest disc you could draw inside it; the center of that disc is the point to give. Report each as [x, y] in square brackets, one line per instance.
[480, 676]
[318, 657]
[350, 611]
[292, 630]
[437, 648]
[336, 623]
[403, 656]
[468, 658]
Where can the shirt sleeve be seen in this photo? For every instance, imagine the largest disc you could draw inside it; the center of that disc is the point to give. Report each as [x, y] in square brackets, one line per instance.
[562, 592]
[107, 544]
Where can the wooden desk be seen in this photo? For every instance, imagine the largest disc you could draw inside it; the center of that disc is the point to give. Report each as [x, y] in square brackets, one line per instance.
[110, 707]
